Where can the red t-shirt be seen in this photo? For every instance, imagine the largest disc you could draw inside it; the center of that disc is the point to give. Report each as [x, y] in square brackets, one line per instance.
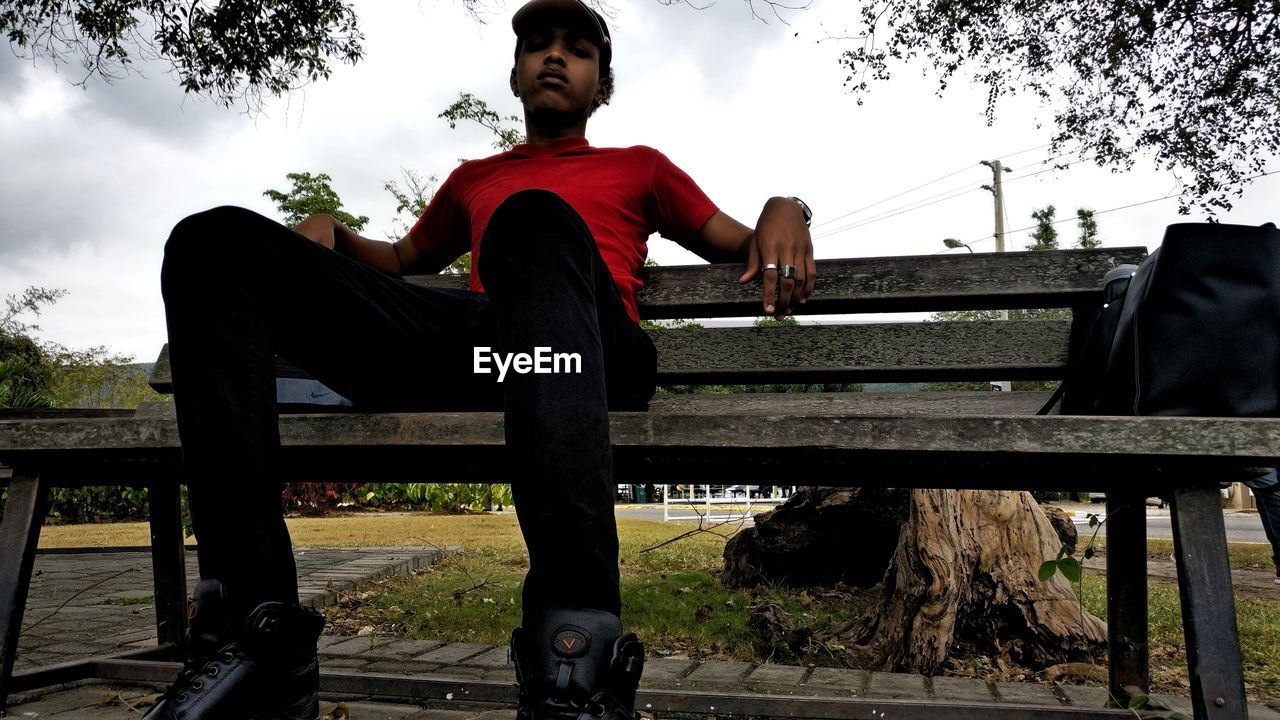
[623, 194]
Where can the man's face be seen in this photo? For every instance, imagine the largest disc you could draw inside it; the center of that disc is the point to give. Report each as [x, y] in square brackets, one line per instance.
[558, 71]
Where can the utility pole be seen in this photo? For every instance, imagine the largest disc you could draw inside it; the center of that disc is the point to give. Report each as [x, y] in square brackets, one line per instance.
[997, 168]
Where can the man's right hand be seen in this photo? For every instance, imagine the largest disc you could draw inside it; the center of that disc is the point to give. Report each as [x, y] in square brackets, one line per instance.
[395, 258]
[319, 229]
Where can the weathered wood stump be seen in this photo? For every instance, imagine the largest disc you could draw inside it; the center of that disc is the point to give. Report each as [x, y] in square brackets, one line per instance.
[819, 536]
[961, 579]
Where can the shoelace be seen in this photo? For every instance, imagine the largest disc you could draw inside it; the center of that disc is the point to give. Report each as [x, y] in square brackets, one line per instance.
[192, 670]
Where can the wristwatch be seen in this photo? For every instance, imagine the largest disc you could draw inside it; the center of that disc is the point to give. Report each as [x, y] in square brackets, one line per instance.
[804, 207]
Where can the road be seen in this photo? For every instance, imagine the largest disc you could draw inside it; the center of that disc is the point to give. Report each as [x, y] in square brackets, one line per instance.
[1242, 526]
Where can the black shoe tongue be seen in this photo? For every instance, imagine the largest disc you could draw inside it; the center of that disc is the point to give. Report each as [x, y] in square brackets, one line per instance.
[207, 615]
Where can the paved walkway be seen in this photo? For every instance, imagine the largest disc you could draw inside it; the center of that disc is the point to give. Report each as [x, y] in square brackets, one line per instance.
[97, 603]
[93, 603]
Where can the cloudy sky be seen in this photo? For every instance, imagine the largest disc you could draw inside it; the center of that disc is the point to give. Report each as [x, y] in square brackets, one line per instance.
[96, 177]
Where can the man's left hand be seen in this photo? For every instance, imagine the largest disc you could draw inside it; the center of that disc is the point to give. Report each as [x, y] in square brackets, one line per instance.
[781, 239]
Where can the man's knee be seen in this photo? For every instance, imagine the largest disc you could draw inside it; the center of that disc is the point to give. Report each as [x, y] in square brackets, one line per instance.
[535, 228]
[196, 233]
[225, 236]
[520, 206]
[198, 247]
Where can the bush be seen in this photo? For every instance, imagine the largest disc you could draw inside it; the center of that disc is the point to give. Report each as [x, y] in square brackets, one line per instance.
[25, 373]
[316, 498]
[97, 504]
[441, 497]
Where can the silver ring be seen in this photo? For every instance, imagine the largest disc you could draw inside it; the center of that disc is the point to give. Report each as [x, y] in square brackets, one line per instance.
[788, 271]
[769, 266]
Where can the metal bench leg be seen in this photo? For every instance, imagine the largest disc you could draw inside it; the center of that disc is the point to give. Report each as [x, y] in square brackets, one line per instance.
[1129, 665]
[24, 513]
[168, 562]
[1208, 604]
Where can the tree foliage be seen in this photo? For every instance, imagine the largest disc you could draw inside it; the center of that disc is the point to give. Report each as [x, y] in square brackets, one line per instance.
[98, 378]
[412, 199]
[469, 107]
[26, 373]
[231, 50]
[1088, 229]
[1191, 82]
[30, 301]
[48, 374]
[1045, 235]
[311, 195]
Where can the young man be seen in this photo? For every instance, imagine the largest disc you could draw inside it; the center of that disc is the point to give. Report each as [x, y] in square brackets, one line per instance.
[557, 232]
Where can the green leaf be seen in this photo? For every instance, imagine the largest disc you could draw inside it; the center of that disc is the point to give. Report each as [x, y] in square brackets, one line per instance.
[1070, 568]
[1137, 702]
[1047, 569]
[1154, 704]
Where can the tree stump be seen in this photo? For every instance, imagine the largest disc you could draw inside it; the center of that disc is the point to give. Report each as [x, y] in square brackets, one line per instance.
[961, 578]
[820, 536]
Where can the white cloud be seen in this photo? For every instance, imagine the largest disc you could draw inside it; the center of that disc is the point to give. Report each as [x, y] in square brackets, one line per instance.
[96, 178]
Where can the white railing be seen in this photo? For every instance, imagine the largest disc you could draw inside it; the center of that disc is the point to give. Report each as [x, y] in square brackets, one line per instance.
[705, 504]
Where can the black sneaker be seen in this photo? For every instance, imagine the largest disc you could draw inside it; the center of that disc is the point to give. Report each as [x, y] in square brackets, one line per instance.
[263, 668]
[574, 664]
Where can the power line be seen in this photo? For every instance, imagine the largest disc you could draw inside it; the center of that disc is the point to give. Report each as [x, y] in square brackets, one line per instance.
[1144, 202]
[891, 197]
[1023, 152]
[1101, 212]
[938, 179]
[919, 204]
[1070, 219]
[964, 190]
[1051, 169]
[923, 202]
[1096, 213]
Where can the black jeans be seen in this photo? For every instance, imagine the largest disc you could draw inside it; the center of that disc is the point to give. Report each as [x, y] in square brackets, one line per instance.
[240, 288]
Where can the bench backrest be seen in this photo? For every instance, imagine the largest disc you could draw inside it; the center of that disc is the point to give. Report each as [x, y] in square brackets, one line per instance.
[857, 350]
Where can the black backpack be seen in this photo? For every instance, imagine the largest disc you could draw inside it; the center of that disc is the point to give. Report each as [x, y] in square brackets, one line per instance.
[1194, 330]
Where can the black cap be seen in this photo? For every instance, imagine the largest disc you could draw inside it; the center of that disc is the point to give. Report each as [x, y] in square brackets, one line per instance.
[524, 18]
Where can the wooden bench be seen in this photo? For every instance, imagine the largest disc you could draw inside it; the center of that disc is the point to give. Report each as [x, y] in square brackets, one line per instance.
[984, 440]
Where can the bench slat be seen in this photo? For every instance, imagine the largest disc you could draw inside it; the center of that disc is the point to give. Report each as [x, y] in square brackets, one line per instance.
[880, 352]
[838, 429]
[858, 403]
[910, 283]
[886, 352]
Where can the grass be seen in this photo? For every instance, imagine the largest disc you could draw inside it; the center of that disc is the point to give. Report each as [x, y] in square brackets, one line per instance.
[1241, 556]
[354, 530]
[1258, 623]
[672, 597]
[127, 601]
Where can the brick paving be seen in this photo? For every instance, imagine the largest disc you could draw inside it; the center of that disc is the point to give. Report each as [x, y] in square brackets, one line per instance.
[95, 603]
